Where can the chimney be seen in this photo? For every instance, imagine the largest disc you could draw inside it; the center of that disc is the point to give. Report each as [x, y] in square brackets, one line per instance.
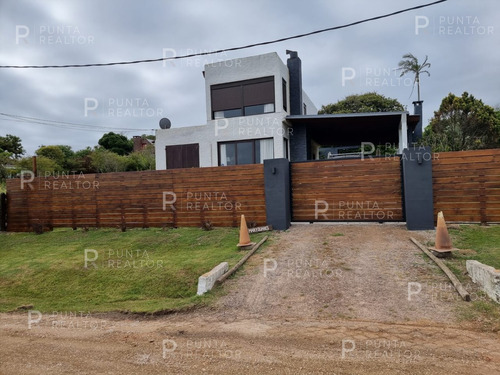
[417, 110]
[294, 65]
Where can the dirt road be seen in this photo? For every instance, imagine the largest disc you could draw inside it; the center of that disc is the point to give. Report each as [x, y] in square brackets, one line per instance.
[321, 299]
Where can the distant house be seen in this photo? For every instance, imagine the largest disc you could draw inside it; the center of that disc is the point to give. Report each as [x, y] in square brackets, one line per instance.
[140, 143]
[256, 110]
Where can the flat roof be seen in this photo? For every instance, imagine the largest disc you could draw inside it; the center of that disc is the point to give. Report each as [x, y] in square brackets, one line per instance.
[351, 128]
[347, 115]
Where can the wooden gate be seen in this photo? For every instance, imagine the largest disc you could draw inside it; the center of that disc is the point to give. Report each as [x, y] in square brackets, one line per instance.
[367, 189]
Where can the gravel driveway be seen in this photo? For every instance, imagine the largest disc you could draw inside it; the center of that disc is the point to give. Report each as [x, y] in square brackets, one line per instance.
[319, 299]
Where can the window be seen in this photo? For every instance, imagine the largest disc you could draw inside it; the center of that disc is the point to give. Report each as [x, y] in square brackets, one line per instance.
[285, 148]
[183, 156]
[284, 94]
[253, 151]
[243, 98]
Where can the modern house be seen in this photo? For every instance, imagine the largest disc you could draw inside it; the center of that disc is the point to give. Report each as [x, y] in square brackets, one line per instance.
[257, 110]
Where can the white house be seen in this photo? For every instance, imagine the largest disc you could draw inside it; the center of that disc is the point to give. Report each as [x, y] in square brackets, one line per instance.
[257, 110]
[247, 102]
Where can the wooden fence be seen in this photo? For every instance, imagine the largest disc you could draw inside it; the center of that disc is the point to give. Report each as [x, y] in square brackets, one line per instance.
[180, 197]
[466, 185]
[347, 190]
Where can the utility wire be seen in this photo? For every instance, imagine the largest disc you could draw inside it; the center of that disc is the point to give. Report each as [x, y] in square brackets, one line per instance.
[227, 49]
[68, 125]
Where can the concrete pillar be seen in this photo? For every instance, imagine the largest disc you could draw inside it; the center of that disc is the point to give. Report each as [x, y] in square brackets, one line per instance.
[417, 188]
[403, 133]
[418, 110]
[277, 191]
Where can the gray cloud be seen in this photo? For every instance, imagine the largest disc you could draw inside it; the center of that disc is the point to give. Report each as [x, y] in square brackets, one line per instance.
[127, 30]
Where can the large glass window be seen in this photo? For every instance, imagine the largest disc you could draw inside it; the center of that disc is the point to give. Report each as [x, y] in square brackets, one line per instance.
[243, 98]
[252, 151]
[245, 152]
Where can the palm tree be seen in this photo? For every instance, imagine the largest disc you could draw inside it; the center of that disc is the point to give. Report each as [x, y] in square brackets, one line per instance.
[410, 65]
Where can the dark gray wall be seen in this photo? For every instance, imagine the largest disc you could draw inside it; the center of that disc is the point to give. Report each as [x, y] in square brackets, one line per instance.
[299, 143]
[277, 190]
[294, 65]
[417, 188]
[417, 110]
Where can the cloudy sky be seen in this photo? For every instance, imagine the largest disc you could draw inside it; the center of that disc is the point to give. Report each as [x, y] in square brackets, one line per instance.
[461, 38]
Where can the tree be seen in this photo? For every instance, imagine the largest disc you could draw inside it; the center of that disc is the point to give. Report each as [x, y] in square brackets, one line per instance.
[105, 161]
[151, 137]
[369, 102]
[5, 159]
[117, 143]
[83, 161]
[143, 160]
[54, 153]
[44, 165]
[410, 65]
[12, 144]
[463, 123]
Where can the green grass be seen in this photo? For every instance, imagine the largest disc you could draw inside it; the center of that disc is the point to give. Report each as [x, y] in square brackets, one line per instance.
[483, 240]
[140, 270]
[481, 244]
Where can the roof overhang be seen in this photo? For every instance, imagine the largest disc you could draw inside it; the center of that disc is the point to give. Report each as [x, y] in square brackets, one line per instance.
[354, 128]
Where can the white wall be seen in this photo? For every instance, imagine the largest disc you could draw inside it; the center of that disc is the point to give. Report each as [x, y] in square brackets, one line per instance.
[311, 108]
[403, 133]
[241, 69]
[269, 125]
[179, 136]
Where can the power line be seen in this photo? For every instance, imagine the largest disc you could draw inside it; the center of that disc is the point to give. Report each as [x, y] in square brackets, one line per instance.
[227, 49]
[68, 125]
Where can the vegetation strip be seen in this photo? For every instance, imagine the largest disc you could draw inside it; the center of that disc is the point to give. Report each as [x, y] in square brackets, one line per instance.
[138, 271]
[221, 279]
[456, 283]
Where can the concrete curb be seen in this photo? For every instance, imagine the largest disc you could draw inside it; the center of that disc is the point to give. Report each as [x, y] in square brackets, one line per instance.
[207, 280]
[486, 276]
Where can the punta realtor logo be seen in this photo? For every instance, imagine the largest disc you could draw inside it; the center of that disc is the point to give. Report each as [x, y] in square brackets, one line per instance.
[52, 35]
[452, 25]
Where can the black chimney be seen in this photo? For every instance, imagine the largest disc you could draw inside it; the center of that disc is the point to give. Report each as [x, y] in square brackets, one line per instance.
[417, 110]
[294, 65]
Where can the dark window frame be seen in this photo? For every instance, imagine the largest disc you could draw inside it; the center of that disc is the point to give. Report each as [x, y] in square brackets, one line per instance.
[239, 97]
[284, 94]
[286, 148]
[236, 149]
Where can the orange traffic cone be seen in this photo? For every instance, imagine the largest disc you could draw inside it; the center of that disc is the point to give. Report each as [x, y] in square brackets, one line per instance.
[443, 241]
[244, 236]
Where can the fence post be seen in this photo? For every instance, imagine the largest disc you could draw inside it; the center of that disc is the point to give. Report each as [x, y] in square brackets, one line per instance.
[3, 212]
[417, 188]
[277, 191]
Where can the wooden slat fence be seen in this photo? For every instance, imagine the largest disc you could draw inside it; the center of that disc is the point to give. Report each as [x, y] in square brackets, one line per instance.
[466, 185]
[347, 190]
[180, 197]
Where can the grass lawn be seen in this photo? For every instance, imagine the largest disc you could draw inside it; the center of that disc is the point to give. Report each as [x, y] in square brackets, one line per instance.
[485, 241]
[140, 270]
[482, 244]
